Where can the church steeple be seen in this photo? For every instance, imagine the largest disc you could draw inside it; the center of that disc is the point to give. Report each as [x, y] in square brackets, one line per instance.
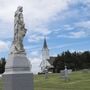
[45, 43]
[45, 56]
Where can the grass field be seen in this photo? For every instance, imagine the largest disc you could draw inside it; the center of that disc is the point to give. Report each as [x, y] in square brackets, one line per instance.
[78, 81]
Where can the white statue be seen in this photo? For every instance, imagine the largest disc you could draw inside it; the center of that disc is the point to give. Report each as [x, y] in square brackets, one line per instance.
[19, 32]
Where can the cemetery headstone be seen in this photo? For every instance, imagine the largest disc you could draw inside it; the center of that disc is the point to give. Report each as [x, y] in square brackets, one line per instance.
[46, 73]
[65, 73]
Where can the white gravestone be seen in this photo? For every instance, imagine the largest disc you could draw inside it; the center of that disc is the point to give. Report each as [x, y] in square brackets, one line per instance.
[46, 73]
[65, 73]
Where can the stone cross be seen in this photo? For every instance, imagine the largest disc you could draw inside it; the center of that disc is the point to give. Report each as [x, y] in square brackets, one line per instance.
[46, 73]
[66, 73]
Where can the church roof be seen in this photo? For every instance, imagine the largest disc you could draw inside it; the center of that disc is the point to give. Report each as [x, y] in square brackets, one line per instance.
[51, 60]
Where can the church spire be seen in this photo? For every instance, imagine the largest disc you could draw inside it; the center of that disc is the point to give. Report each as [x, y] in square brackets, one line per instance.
[45, 43]
[45, 56]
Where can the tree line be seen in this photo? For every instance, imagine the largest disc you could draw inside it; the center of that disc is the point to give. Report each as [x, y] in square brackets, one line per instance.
[2, 65]
[75, 61]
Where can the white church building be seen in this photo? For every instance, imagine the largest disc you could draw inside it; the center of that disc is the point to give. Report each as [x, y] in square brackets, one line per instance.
[45, 57]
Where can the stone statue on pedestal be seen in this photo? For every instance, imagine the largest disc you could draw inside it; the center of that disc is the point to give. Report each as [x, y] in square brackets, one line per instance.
[18, 74]
[19, 32]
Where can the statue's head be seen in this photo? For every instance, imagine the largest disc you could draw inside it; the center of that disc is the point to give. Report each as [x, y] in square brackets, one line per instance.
[20, 9]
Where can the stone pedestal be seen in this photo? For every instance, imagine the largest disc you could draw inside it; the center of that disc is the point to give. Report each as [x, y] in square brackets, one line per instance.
[18, 81]
[17, 62]
[17, 74]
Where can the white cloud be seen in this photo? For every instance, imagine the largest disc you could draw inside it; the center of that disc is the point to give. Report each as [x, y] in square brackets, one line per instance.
[7, 9]
[35, 38]
[43, 10]
[35, 61]
[63, 28]
[6, 30]
[84, 27]
[78, 34]
[37, 13]
[34, 10]
[76, 30]
[32, 47]
[60, 46]
[4, 46]
[68, 27]
[35, 53]
[38, 34]
[42, 30]
[83, 24]
[75, 35]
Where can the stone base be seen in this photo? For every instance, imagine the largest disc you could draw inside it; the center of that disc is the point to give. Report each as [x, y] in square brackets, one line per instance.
[18, 81]
[17, 62]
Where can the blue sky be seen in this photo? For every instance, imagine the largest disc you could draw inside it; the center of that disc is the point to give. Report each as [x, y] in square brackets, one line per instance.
[65, 23]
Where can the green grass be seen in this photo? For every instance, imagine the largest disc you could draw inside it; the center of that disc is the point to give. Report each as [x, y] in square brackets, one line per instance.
[78, 81]
[1, 84]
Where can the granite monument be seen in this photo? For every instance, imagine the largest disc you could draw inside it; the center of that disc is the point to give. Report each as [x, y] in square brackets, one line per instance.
[18, 74]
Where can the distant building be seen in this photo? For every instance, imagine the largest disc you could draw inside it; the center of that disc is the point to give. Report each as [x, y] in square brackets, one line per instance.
[47, 61]
[45, 64]
[51, 60]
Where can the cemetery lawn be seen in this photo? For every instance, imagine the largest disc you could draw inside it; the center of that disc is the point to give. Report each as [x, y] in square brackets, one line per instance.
[78, 81]
[1, 86]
